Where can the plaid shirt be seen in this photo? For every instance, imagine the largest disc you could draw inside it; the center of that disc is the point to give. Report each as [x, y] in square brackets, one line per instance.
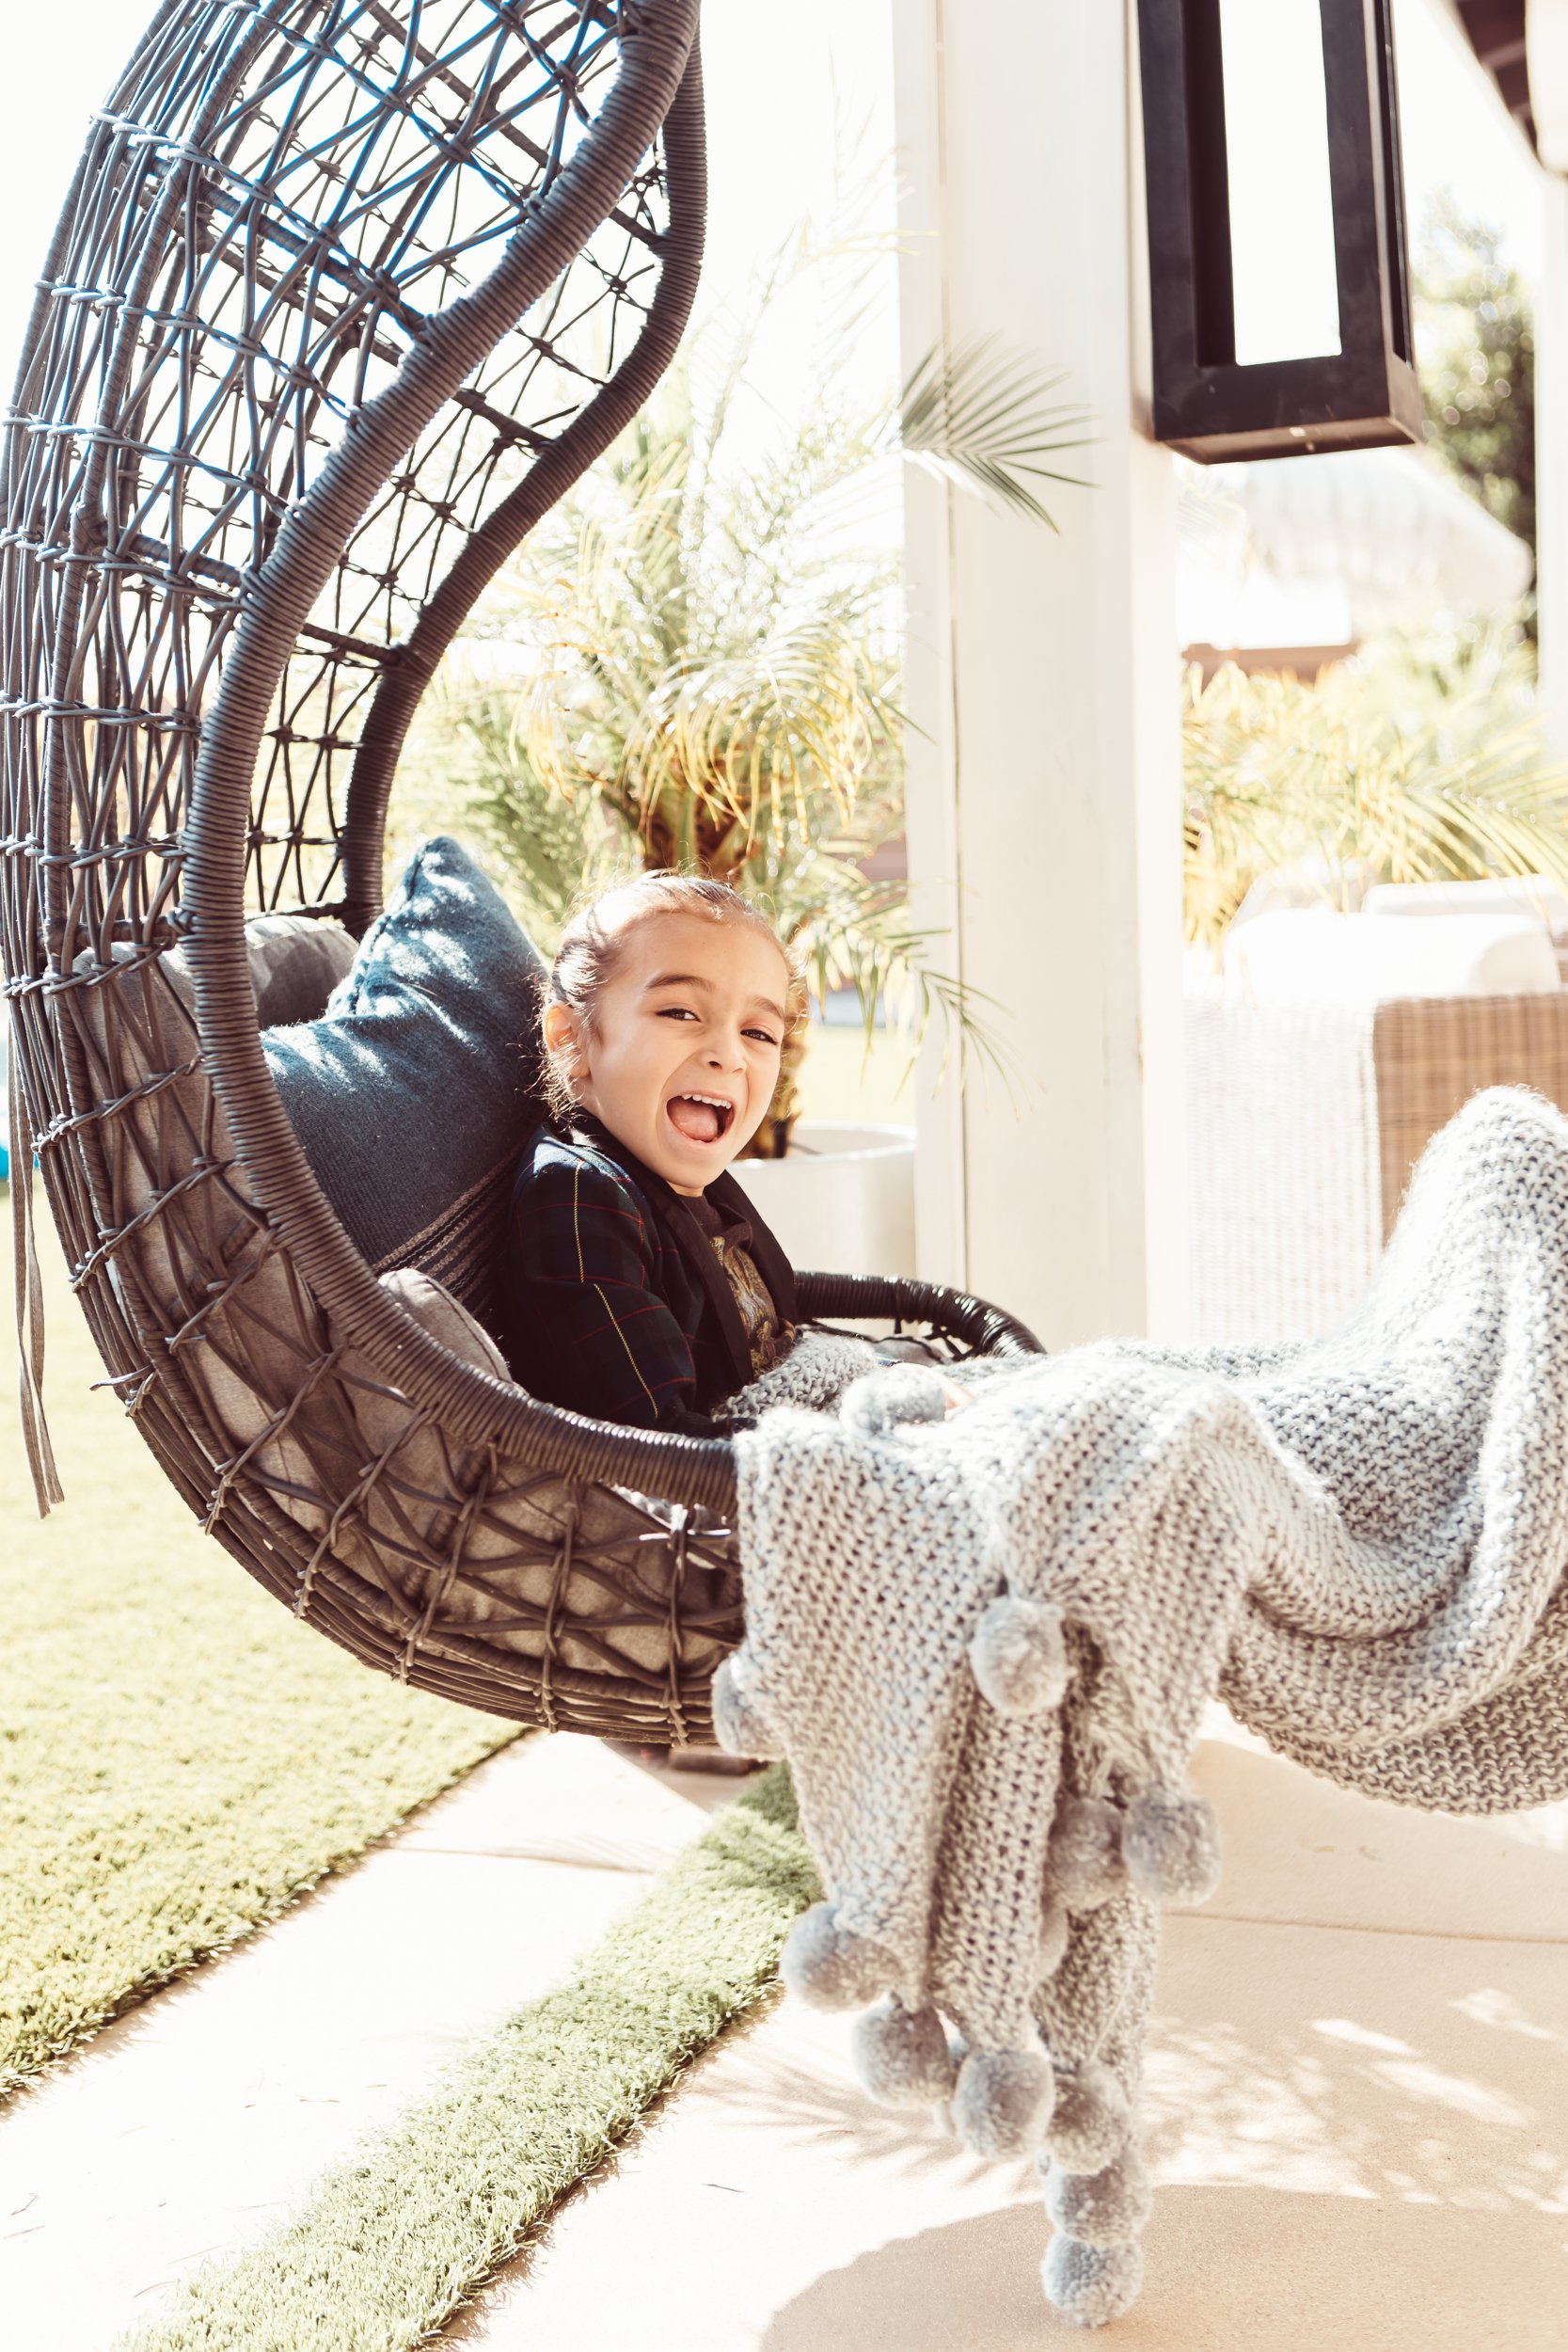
[614, 1300]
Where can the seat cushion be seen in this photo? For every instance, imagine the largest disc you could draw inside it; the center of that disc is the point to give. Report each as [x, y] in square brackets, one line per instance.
[1299, 958]
[1533, 895]
[295, 961]
[446, 1318]
[413, 1092]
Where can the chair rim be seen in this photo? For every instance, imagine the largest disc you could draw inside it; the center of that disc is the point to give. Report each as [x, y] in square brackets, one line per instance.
[657, 91]
[658, 57]
[171, 1198]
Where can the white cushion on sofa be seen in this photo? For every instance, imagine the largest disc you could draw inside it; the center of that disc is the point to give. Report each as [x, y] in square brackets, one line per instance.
[1530, 895]
[1319, 957]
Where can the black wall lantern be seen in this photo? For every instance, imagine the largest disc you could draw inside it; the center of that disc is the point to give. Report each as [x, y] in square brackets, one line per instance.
[1272, 142]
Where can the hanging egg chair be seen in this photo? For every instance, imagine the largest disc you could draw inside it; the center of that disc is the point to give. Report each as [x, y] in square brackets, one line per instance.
[345, 294]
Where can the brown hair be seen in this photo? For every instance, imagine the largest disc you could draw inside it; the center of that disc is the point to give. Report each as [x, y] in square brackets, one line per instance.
[591, 945]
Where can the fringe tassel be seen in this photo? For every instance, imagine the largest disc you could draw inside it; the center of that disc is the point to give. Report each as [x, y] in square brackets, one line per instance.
[29, 1305]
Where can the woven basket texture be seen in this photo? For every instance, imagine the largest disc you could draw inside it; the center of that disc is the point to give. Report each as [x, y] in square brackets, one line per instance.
[343, 298]
[1432, 1053]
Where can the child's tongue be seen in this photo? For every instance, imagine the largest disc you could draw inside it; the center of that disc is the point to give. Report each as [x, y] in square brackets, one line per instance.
[698, 1121]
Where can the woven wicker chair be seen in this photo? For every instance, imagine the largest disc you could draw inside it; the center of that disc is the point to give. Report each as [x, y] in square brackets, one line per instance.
[345, 294]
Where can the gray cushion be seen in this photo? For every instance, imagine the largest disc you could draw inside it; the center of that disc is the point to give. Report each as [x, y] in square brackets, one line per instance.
[413, 1093]
[446, 1319]
[295, 962]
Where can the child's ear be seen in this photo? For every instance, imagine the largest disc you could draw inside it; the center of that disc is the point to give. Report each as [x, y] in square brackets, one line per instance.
[563, 1034]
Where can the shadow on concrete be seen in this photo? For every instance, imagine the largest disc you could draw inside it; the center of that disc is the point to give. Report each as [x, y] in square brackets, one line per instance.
[832, 2116]
[1229, 2270]
[1378, 2067]
[1359, 2139]
[1296, 2059]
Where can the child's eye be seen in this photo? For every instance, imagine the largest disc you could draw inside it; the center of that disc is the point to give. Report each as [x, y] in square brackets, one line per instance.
[764, 1037]
[676, 1012]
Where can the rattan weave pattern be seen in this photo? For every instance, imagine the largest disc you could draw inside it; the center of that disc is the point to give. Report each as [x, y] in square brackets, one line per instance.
[347, 293]
[1430, 1055]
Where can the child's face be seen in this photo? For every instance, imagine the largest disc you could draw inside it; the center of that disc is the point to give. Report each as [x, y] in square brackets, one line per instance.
[683, 1056]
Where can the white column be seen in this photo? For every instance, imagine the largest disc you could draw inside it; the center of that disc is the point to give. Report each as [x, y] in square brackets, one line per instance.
[1044, 801]
[1551, 459]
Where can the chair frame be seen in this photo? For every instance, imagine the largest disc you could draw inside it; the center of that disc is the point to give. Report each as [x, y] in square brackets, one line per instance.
[344, 296]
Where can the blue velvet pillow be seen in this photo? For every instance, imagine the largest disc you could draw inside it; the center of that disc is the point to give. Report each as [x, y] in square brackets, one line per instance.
[415, 1090]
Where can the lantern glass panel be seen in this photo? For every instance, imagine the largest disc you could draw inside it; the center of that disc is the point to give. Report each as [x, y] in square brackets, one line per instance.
[1286, 289]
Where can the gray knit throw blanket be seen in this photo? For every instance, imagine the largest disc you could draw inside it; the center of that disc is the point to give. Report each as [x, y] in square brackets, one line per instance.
[985, 1644]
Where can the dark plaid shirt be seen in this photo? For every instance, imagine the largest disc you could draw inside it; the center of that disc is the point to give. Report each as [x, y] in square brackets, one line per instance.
[615, 1302]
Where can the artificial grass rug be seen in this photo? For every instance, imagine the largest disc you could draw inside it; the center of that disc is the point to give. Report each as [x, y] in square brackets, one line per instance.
[397, 2236]
[178, 1759]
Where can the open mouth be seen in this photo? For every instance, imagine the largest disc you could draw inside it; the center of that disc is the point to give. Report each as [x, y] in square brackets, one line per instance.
[701, 1117]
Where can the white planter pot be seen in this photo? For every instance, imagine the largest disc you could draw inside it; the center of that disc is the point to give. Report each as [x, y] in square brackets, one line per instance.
[842, 1202]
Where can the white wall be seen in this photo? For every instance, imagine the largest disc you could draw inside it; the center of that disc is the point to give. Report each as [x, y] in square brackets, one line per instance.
[1044, 806]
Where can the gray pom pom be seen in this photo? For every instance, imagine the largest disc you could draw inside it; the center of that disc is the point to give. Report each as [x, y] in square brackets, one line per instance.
[880, 1399]
[1003, 2101]
[1053, 1934]
[739, 1722]
[1019, 1656]
[1091, 2283]
[1172, 1846]
[1104, 2208]
[901, 2056]
[1085, 1861]
[1090, 2124]
[831, 1967]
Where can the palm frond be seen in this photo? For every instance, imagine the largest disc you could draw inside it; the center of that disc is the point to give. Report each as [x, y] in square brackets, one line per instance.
[553, 846]
[701, 659]
[1325, 778]
[977, 416]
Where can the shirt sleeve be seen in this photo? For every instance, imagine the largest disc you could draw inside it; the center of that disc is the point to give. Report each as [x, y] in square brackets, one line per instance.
[577, 1270]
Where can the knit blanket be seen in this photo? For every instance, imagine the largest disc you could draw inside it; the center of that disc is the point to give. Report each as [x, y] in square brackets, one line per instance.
[985, 1644]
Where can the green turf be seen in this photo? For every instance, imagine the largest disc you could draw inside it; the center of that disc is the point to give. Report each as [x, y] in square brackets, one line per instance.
[178, 1758]
[398, 2235]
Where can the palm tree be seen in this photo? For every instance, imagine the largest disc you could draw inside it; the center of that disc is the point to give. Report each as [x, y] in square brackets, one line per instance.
[1433, 773]
[695, 661]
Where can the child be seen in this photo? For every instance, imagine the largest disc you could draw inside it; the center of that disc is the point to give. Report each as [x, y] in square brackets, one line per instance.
[639, 1283]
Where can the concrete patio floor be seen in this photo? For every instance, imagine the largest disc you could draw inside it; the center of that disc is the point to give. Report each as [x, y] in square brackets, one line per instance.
[1356, 2101]
[1356, 2106]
